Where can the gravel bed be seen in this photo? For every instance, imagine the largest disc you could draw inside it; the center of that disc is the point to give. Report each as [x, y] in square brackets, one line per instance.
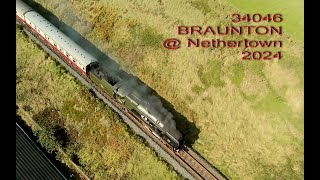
[162, 153]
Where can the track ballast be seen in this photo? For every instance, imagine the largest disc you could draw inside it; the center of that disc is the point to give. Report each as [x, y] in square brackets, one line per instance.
[193, 166]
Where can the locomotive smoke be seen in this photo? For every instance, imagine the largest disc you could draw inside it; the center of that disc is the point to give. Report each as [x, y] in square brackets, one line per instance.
[153, 102]
[154, 105]
[76, 22]
[164, 114]
[84, 28]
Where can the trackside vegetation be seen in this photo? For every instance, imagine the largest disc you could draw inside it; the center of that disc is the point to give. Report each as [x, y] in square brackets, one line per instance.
[248, 116]
[72, 119]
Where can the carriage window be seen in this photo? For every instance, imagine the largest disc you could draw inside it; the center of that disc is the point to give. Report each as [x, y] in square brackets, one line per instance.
[67, 55]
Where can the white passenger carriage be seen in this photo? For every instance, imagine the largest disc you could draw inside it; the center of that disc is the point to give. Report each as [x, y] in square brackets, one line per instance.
[21, 9]
[58, 41]
[144, 105]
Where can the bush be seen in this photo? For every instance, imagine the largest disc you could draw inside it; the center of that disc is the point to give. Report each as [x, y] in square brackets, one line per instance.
[47, 139]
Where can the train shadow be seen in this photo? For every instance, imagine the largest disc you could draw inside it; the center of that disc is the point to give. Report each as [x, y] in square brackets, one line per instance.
[188, 128]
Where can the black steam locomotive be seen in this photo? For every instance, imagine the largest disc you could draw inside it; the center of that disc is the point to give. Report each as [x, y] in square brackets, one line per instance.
[135, 96]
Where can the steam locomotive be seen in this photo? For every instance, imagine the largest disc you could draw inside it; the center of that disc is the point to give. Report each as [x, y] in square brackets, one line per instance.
[123, 87]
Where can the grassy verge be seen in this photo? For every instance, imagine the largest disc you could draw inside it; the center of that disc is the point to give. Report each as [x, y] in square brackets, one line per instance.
[249, 113]
[74, 120]
[292, 12]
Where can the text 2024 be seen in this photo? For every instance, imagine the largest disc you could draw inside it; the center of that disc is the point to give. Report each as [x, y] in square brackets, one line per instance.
[258, 55]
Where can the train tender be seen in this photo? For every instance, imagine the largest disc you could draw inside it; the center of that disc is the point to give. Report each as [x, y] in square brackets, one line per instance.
[135, 97]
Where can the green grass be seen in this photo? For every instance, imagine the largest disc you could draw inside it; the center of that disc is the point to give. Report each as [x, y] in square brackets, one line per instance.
[201, 5]
[147, 36]
[295, 63]
[104, 146]
[292, 12]
[273, 102]
[211, 75]
[196, 89]
[250, 115]
[238, 74]
[250, 98]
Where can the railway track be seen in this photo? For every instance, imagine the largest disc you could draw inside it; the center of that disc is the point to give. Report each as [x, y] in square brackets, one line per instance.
[186, 156]
[196, 165]
[200, 171]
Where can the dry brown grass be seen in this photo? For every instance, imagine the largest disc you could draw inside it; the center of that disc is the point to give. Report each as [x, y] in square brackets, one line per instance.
[106, 148]
[250, 114]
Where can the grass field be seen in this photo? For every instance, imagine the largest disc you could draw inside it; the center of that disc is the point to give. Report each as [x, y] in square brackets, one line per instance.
[249, 113]
[101, 143]
[292, 12]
